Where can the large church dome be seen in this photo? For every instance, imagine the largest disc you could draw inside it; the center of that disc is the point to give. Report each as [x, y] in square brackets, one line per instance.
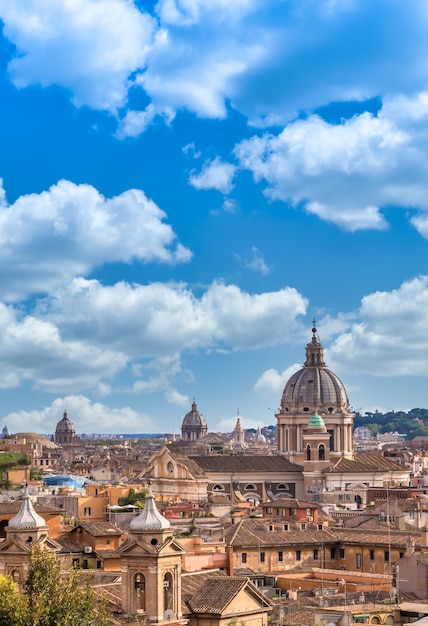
[314, 394]
[314, 387]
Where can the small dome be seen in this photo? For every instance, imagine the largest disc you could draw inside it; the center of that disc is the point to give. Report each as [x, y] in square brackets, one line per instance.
[65, 425]
[316, 421]
[194, 419]
[27, 516]
[149, 519]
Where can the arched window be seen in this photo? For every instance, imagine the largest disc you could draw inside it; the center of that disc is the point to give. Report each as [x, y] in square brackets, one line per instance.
[308, 452]
[250, 487]
[321, 452]
[218, 487]
[168, 595]
[140, 591]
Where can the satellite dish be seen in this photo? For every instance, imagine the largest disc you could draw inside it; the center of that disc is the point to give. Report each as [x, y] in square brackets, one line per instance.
[168, 615]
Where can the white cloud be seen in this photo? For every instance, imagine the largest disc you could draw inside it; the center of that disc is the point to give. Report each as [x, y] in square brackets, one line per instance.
[159, 319]
[33, 350]
[390, 337]
[175, 397]
[88, 47]
[88, 417]
[90, 337]
[255, 262]
[134, 123]
[347, 173]
[47, 238]
[268, 60]
[271, 383]
[215, 175]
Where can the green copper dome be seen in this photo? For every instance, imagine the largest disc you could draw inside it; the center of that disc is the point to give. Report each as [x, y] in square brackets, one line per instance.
[316, 421]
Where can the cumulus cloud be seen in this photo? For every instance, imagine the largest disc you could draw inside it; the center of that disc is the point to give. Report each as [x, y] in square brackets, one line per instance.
[179, 399]
[215, 175]
[271, 383]
[198, 55]
[389, 338]
[46, 239]
[33, 350]
[347, 173]
[88, 417]
[87, 336]
[158, 319]
[86, 46]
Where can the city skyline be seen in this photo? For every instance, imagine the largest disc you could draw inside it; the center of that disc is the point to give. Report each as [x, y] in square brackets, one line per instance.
[186, 185]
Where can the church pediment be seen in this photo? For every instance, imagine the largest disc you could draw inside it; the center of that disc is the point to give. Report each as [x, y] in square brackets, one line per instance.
[357, 487]
[171, 546]
[14, 546]
[170, 464]
[136, 547]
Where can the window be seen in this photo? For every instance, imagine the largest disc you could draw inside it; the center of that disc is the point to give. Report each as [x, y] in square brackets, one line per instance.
[250, 487]
[308, 512]
[244, 557]
[108, 542]
[316, 553]
[320, 527]
[358, 560]
[270, 527]
[332, 553]
[293, 512]
[371, 555]
[280, 556]
[262, 557]
[303, 526]
[401, 555]
[386, 556]
[286, 527]
[87, 510]
[269, 510]
[342, 553]
[298, 555]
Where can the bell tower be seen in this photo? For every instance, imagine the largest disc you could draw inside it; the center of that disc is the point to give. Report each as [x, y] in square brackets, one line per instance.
[151, 568]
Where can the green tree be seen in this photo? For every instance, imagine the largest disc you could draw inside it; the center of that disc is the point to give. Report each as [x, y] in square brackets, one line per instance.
[50, 599]
[133, 497]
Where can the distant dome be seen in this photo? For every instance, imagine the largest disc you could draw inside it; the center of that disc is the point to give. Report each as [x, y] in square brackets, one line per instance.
[64, 432]
[194, 425]
[314, 387]
[35, 438]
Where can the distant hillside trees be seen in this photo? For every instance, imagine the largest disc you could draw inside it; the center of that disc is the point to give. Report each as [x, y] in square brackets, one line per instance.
[412, 424]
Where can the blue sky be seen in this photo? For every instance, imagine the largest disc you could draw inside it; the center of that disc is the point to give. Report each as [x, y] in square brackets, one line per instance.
[186, 184]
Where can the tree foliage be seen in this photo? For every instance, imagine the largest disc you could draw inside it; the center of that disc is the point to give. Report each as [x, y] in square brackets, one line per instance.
[411, 423]
[50, 599]
[133, 497]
